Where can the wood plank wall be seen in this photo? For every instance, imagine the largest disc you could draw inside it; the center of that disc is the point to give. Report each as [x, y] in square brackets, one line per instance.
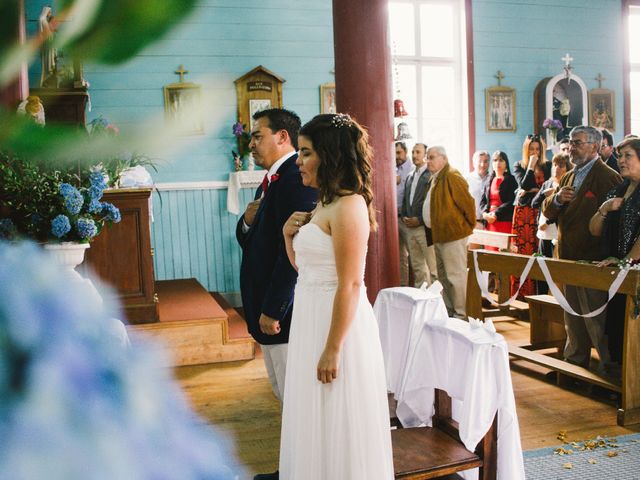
[194, 236]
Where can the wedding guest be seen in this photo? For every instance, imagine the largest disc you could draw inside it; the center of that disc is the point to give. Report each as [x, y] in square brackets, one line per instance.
[617, 222]
[547, 231]
[335, 422]
[607, 150]
[498, 196]
[404, 168]
[450, 212]
[580, 192]
[421, 252]
[563, 146]
[530, 172]
[477, 181]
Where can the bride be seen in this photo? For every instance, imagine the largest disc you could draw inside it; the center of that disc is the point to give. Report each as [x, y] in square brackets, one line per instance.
[335, 421]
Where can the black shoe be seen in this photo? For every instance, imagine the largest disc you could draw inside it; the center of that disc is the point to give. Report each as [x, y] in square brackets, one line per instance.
[268, 476]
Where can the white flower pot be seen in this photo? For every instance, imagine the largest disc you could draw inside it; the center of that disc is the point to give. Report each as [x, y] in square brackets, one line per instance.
[69, 255]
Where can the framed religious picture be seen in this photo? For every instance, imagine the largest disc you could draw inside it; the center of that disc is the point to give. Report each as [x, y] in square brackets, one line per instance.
[183, 108]
[500, 109]
[257, 105]
[328, 98]
[602, 108]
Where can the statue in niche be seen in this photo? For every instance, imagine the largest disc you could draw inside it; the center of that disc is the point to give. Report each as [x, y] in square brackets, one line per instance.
[567, 104]
[48, 54]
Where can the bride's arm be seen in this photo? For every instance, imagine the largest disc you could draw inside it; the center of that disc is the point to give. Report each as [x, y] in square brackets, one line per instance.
[290, 230]
[349, 224]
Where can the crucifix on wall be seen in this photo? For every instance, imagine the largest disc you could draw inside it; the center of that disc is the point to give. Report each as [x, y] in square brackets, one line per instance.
[183, 105]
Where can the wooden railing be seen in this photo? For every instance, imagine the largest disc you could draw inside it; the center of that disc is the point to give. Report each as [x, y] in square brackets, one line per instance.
[582, 275]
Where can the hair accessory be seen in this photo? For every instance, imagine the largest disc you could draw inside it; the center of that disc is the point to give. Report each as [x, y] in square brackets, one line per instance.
[341, 120]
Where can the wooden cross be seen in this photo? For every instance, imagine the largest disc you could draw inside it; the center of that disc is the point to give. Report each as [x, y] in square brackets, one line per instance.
[499, 76]
[600, 79]
[567, 59]
[182, 72]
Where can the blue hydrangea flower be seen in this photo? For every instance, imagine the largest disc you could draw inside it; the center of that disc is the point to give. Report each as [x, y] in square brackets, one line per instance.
[95, 193]
[73, 199]
[111, 212]
[96, 178]
[95, 206]
[86, 228]
[75, 403]
[60, 226]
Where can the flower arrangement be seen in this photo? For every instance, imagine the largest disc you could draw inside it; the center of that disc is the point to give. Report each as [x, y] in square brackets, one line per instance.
[244, 138]
[552, 124]
[74, 402]
[47, 204]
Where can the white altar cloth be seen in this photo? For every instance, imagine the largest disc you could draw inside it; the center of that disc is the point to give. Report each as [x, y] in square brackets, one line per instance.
[472, 366]
[401, 312]
[237, 180]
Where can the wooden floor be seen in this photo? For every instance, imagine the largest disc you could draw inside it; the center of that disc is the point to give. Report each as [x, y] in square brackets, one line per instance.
[236, 397]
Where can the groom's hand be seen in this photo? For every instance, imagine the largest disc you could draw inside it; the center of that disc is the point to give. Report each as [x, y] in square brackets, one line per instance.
[250, 212]
[268, 325]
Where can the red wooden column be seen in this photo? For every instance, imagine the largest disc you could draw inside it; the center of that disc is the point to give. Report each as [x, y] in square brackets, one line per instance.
[364, 91]
[13, 93]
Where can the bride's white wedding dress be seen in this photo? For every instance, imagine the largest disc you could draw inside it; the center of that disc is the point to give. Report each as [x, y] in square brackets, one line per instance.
[340, 430]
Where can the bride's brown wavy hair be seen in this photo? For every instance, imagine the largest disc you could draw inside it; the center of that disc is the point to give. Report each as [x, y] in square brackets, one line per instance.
[345, 158]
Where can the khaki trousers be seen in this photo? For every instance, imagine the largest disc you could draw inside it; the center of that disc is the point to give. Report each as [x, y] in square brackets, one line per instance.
[452, 273]
[421, 256]
[404, 254]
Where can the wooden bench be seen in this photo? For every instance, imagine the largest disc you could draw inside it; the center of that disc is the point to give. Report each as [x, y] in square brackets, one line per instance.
[501, 241]
[582, 275]
[437, 452]
[547, 323]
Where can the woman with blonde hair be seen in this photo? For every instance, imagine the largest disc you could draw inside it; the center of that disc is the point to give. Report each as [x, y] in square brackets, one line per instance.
[335, 423]
[530, 172]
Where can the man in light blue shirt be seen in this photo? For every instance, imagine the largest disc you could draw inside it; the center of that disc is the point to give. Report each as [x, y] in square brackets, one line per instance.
[404, 168]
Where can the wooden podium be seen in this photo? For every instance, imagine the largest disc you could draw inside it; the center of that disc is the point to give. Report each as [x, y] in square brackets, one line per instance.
[122, 256]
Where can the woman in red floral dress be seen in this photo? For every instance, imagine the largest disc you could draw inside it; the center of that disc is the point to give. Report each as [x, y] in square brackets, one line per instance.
[530, 172]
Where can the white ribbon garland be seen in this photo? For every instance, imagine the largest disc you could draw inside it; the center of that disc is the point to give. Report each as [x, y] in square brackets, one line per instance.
[557, 294]
[483, 283]
[562, 301]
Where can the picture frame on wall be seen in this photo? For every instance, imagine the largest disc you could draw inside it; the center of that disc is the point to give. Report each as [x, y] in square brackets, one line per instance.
[328, 98]
[602, 108]
[183, 108]
[500, 109]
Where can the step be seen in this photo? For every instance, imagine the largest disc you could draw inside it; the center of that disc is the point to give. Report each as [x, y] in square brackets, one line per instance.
[193, 326]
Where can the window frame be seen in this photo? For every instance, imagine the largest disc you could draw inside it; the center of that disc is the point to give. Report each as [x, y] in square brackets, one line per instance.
[462, 61]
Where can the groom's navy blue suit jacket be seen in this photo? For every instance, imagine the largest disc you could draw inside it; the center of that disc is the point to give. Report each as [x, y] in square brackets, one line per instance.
[267, 279]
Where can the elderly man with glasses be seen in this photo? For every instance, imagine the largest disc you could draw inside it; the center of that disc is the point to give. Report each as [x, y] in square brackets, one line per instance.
[580, 192]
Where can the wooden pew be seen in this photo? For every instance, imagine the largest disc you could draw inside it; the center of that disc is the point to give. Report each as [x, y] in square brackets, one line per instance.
[501, 241]
[583, 275]
[437, 452]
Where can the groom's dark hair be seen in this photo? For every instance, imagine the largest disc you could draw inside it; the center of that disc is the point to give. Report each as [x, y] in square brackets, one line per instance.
[282, 119]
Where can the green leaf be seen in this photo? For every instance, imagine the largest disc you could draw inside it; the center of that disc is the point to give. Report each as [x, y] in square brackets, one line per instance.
[122, 28]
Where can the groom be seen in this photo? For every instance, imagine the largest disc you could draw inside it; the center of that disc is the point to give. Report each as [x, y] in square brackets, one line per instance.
[267, 279]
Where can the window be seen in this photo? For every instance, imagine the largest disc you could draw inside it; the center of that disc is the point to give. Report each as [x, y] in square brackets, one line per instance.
[634, 63]
[428, 39]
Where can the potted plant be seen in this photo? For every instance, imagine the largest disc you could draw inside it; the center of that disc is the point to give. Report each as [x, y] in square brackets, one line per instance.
[59, 207]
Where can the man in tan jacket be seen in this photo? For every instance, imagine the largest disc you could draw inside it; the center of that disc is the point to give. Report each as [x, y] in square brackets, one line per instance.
[449, 210]
[581, 191]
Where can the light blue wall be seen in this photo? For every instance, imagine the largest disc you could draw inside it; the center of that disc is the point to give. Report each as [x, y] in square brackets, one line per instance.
[526, 40]
[193, 234]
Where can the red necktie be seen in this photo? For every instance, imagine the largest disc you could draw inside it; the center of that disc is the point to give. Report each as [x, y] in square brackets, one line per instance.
[265, 183]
